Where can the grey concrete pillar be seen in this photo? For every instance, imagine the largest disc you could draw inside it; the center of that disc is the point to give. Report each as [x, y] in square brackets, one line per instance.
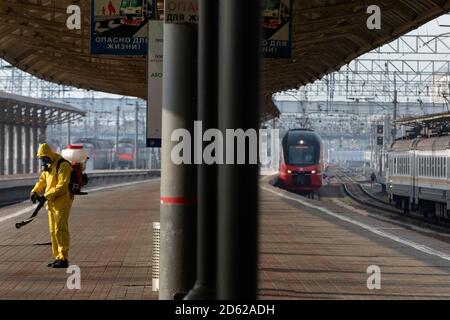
[19, 148]
[2, 149]
[27, 149]
[42, 134]
[11, 149]
[178, 187]
[35, 149]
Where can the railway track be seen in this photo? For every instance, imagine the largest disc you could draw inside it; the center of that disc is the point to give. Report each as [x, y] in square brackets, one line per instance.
[355, 191]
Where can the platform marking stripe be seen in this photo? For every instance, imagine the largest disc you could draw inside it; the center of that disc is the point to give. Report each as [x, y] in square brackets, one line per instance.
[414, 245]
[121, 185]
[16, 214]
[30, 209]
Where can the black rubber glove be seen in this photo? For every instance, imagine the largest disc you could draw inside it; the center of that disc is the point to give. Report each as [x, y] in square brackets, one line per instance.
[41, 199]
[33, 197]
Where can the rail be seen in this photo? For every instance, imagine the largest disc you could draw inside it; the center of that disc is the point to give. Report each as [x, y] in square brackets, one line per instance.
[369, 199]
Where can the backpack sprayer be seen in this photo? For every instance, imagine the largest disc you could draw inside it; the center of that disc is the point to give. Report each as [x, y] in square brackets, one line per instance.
[77, 158]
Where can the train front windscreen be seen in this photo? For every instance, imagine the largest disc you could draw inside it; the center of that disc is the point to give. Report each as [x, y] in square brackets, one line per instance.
[302, 155]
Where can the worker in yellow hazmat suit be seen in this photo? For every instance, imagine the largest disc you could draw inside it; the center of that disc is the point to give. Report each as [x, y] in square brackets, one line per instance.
[53, 184]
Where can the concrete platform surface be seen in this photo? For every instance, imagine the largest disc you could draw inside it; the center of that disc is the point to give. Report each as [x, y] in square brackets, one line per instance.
[305, 252]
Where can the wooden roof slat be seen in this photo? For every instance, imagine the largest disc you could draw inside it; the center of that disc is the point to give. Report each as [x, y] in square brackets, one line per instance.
[327, 34]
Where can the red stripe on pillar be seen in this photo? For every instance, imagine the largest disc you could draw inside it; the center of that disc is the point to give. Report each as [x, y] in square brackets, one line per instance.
[178, 200]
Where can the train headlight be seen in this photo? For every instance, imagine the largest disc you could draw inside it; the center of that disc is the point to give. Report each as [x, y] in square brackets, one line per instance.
[289, 171]
[313, 172]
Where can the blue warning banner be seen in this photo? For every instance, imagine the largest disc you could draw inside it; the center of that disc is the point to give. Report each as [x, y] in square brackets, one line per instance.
[277, 28]
[119, 27]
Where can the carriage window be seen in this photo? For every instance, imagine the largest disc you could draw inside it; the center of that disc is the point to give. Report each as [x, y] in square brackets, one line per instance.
[394, 166]
[440, 166]
[422, 164]
[406, 165]
[419, 165]
[435, 166]
[432, 166]
[444, 163]
[445, 167]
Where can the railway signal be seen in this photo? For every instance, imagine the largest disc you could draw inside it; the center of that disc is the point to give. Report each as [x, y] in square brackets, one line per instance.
[380, 129]
[379, 141]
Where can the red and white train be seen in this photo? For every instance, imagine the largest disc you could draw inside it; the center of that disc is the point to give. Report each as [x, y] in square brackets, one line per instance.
[302, 164]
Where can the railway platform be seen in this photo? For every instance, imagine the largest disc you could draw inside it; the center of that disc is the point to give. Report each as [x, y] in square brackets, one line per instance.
[308, 249]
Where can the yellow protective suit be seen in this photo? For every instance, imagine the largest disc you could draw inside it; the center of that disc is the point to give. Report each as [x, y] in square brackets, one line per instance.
[55, 188]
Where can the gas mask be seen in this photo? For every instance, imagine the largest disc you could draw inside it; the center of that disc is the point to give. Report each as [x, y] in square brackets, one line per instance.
[46, 163]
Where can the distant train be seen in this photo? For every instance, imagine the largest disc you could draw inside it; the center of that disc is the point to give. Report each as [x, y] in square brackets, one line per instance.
[125, 154]
[100, 152]
[301, 168]
[419, 176]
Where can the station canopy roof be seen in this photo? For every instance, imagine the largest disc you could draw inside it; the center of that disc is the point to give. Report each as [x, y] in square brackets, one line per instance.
[15, 109]
[326, 35]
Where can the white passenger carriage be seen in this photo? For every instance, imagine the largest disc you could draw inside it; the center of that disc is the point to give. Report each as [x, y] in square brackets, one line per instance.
[419, 177]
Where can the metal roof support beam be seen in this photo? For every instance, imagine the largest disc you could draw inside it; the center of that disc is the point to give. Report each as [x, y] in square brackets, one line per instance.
[10, 149]
[27, 149]
[18, 141]
[19, 148]
[35, 142]
[42, 126]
